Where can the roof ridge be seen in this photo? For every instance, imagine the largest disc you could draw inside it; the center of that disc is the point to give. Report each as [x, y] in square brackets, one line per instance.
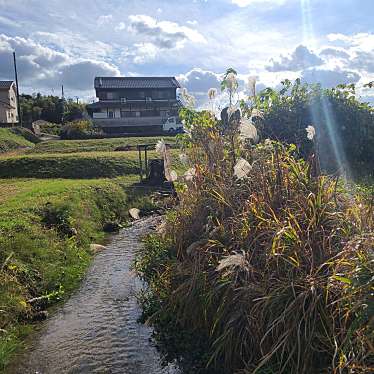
[142, 77]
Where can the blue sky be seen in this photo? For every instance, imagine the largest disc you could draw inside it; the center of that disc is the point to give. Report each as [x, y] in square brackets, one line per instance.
[69, 42]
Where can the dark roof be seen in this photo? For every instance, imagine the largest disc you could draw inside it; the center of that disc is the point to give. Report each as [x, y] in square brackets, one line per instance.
[136, 82]
[5, 84]
[117, 104]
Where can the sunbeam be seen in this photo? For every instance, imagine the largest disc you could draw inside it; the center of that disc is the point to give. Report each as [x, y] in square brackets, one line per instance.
[327, 116]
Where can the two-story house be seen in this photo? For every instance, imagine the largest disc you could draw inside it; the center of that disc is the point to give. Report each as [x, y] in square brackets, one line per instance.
[8, 103]
[134, 104]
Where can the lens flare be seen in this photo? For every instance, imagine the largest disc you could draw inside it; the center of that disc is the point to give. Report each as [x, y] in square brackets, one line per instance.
[325, 115]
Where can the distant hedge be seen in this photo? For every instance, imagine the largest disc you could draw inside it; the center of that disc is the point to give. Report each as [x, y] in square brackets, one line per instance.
[344, 125]
[76, 166]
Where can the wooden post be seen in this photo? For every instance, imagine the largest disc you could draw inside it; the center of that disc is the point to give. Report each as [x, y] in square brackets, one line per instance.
[140, 163]
[146, 160]
[62, 104]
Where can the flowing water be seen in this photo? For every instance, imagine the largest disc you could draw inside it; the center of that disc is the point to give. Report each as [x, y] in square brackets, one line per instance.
[96, 331]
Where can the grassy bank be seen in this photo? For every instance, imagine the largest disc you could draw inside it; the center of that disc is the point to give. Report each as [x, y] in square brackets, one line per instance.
[9, 141]
[74, 165]
[46, 227]
[94, 145]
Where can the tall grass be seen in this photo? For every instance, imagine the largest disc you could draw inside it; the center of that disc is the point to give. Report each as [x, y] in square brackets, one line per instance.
[274, 269]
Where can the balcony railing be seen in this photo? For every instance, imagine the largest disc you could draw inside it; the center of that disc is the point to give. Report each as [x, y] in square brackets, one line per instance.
[133, 121]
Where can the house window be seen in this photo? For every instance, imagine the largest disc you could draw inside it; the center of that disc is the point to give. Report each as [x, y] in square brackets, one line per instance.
[110, 95]
[161, 94]
[110, 113]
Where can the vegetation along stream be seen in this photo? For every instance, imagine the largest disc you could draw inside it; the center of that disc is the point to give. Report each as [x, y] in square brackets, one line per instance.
[96, 331]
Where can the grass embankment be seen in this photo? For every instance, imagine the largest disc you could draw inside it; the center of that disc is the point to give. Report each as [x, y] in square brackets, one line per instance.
[73, 165]
[95, 145]
[46, 227]
[10, 141]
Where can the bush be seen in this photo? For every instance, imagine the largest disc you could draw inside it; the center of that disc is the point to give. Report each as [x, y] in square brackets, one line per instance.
[344, 126]
[49, 128]
[80, 129]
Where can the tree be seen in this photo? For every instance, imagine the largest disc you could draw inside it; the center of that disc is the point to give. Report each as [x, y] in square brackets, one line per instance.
[49, 108]
[344, 125]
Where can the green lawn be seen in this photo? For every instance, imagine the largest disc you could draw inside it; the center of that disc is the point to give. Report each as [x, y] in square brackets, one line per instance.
[94, 145]
[74, 165]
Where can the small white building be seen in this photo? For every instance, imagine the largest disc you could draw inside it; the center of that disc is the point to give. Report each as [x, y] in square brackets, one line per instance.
[8, 103]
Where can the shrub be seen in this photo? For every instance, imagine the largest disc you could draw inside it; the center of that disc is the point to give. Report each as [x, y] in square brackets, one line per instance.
[345, 126]
[80, 129]
[50, 128]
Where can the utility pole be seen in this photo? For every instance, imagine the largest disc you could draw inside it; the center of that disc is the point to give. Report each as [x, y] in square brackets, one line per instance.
[77, 97]
[18, 103]
[62, 105]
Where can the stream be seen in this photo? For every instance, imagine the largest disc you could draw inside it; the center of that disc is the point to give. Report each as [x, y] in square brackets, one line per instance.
[96, 330]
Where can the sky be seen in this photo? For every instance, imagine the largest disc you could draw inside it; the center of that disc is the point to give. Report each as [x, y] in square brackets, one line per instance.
[70, 42]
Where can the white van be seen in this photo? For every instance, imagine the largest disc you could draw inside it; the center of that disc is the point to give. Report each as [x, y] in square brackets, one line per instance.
[172, 125]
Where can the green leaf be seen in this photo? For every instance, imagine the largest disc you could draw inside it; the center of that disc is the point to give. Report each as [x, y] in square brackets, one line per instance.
[342, 279]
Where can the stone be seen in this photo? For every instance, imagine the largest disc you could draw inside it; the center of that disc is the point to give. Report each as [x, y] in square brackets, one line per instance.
[94, 248]
[111, 227]
[134, 213]
[41, 316]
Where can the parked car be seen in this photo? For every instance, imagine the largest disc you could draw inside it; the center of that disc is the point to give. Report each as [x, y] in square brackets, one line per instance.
[173, 125]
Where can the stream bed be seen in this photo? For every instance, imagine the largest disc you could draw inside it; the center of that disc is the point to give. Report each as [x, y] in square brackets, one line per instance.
[96, 330]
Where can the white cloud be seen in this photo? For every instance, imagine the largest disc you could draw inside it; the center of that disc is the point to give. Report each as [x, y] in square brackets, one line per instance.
[164, 34]
[334, 53]
[299, 59]
[103, 20]
[245, 3]
[80, 75]
[144, 52]
[41, 67]
[8, 22]
[329, 78]
[121, 26]
[362, 41]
